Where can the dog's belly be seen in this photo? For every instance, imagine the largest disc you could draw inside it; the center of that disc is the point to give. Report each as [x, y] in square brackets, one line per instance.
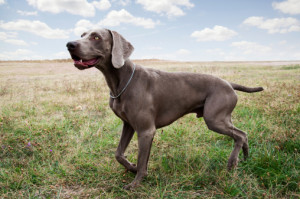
[171, 115]
[178, 98]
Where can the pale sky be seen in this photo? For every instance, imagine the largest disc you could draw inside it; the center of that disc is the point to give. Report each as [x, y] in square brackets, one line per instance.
[183, 30]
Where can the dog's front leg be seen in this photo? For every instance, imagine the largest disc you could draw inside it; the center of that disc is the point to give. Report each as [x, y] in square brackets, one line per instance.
[126, 136]
[145, 139]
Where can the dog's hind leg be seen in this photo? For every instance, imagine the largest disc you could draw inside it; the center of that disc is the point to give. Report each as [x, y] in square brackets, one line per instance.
[126, 136]
[217, 116]
[245, 146]
[241, 141]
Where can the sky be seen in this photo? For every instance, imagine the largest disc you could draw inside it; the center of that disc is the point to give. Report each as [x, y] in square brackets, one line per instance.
[183, 30]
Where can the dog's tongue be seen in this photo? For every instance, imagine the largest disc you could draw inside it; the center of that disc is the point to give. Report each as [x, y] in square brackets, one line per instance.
[86, 63]
[90, 62]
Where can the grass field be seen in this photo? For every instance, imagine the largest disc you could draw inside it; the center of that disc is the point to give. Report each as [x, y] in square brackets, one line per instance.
[58, 136]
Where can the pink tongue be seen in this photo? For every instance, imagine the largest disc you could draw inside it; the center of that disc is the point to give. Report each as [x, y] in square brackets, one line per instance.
[86, 63]
[79, 63]
[90, 62]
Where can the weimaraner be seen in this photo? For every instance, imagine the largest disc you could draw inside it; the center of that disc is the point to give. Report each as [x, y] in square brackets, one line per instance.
[147, 99]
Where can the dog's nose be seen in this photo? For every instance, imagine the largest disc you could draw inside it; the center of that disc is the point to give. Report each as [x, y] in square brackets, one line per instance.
[72, 45]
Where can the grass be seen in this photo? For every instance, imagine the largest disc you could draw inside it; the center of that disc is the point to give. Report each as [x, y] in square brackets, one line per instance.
[58, 136]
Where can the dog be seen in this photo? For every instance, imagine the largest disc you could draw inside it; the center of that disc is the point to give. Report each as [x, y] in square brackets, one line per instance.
[146, 99]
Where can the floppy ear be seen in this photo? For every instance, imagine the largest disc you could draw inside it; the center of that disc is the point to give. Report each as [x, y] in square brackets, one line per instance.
[121, 50]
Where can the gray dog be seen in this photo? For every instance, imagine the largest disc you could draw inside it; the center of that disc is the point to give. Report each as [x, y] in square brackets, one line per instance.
[148, 99]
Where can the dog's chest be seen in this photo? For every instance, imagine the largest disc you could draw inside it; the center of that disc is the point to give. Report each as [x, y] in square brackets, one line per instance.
[118, 108]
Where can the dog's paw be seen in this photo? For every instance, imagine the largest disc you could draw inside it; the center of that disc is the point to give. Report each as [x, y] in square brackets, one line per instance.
[245, 157]
[246, 151]
[232, 164]
[131, 186]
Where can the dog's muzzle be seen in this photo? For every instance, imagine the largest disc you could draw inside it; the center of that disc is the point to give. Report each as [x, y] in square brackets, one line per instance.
[79, 62]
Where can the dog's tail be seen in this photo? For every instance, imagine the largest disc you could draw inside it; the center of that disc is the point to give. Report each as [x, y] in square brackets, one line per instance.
[246, 89]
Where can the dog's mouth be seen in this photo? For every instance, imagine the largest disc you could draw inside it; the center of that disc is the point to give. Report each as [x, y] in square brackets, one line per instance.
[84, 64]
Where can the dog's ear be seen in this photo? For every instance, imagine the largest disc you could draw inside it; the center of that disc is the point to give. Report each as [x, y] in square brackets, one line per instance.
[121, 50]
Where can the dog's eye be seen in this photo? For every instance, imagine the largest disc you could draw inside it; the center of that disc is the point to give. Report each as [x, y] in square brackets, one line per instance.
[96, 38]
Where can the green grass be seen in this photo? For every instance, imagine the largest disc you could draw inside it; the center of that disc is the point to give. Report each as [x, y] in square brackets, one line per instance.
[58, 137]
[291, 67]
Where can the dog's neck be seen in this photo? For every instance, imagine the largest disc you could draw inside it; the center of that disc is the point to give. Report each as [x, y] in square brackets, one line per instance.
[117, 79]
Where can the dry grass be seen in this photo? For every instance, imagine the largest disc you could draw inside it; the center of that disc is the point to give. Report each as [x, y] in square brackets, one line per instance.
[58, 136]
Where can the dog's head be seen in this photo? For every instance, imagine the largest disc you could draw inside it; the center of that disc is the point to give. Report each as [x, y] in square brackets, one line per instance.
[98, 48]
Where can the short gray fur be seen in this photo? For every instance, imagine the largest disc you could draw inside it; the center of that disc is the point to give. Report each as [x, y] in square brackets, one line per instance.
[154, 98]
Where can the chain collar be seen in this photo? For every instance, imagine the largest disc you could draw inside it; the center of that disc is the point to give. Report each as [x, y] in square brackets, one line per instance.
[114, 97]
